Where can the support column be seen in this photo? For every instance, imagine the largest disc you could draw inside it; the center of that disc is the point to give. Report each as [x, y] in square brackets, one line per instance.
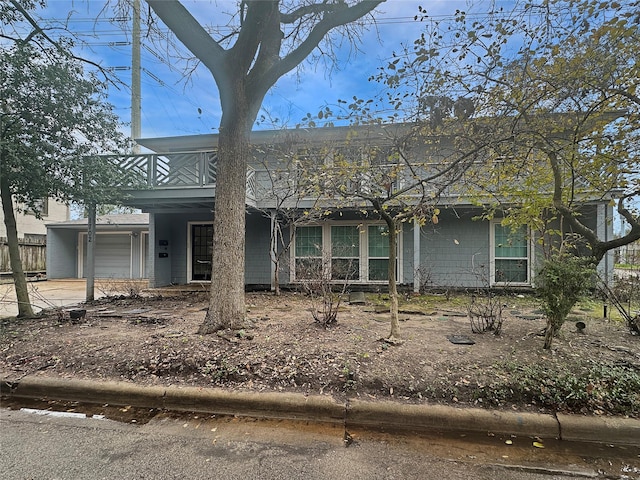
[90, 271]
[604, 230]
[151, 252]
[416, 256]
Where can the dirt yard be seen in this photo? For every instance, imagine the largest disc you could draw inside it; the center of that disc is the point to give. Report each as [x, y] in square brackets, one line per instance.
[154, 340]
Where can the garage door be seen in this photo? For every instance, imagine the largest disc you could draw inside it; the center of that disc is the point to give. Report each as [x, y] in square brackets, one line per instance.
[112, 255]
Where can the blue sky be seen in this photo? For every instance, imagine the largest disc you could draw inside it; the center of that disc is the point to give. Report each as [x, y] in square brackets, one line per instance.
[173, 105]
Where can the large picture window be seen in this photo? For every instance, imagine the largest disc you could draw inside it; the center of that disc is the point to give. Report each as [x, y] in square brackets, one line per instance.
[346, 252]
[511, 263]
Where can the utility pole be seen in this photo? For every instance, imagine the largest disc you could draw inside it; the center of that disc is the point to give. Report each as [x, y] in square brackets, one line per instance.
[136, 95]
[136, 107]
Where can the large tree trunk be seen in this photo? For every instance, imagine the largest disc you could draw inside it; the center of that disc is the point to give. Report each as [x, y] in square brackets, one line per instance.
[244, 73]
[19, 280]
[226, 303]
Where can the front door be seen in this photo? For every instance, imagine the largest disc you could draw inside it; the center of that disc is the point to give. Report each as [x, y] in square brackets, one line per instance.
[201, 251]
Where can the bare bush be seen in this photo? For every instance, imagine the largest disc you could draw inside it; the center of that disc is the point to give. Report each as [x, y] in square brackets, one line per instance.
[424, 273]
[114, 287]
[326, 296]
[485, 313]
[625, 296]
[485, 308]
[35, 295]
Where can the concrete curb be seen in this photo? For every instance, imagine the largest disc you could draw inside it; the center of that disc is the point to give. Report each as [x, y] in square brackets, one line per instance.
[260, 405]
[614, 430]
[355, 413]
[398, 416]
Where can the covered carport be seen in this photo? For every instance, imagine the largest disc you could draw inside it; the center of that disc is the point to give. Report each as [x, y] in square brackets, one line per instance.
[122, 246]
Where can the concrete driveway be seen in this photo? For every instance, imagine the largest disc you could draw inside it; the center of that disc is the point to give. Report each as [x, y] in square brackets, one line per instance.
[45, 294]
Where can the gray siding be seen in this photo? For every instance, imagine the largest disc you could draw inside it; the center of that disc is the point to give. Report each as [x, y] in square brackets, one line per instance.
[62, 253]
[455, 252]
[162, 267]
[173, 228]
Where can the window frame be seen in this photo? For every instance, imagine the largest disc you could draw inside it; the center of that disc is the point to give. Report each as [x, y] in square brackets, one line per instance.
[377, 257]
[41, 208]
[493, 257]
[338, 256]
[295, 257]
[363, 259]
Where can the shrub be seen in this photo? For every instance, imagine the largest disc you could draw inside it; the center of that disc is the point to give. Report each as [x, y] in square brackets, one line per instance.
[561, 282]
[614, 389]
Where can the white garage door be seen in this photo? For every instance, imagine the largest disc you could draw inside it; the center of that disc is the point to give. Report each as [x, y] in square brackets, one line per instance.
[112, 255]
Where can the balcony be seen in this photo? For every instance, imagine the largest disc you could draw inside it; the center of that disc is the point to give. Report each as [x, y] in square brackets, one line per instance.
[183, 179]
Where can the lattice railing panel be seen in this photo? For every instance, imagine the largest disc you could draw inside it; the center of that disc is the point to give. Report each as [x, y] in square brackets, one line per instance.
[252, 184]
[178, 169]
[211, 168]
[189, 169]
[135, 166]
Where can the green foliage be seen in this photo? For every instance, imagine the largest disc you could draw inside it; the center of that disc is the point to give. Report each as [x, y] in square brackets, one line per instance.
[560, 283]
[219, 371]
[609, 388]
[555, 107]
[54, 123]
[9, 14]
[349, 377]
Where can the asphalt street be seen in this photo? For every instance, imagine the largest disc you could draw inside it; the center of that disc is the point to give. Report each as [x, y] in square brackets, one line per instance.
[36, 446]
[205, 446]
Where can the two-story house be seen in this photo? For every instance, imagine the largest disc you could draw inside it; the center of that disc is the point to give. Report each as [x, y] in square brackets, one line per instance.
[456, 251]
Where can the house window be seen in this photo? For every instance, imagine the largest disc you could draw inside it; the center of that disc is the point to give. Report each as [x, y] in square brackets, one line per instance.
[40, 207]
[345, 252]
[308, 251]
[378, 252]
[510, 255]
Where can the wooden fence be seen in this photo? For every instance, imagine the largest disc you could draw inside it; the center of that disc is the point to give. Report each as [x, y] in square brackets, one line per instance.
[33, 252]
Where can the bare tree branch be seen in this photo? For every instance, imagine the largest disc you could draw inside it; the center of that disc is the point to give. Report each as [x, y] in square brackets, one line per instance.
[39, 31]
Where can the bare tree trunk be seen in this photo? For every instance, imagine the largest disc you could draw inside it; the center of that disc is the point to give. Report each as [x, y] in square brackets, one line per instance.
[393, 288]
[551, 332]
[275, 258]
[244, 73]
[227, 303]
[19, 280]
